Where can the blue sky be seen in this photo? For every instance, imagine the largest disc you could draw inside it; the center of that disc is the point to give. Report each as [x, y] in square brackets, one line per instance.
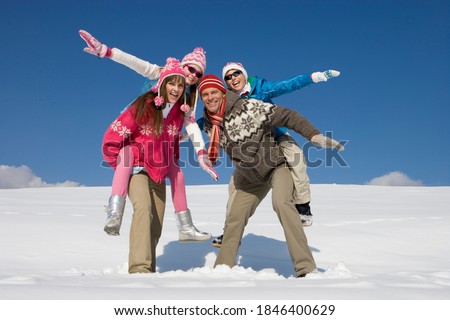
[391, 103]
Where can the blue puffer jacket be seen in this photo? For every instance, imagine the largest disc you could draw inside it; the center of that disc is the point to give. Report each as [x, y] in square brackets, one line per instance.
[264, 90]
[267, 90]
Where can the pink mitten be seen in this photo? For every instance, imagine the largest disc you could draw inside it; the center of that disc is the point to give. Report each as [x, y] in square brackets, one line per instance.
[94, 47]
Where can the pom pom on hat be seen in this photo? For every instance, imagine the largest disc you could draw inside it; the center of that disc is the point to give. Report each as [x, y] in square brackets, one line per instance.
[159, 101]
[236, 66]
[197, 57]
[185, 108]
[211, 81]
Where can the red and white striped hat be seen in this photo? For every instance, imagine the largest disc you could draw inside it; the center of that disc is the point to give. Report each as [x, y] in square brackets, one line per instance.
[211, 81]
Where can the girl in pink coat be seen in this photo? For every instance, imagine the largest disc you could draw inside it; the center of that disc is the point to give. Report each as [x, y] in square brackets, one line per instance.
[193, 67]
[148, 134]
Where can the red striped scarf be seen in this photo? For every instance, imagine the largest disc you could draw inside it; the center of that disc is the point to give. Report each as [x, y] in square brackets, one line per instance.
[216, 120]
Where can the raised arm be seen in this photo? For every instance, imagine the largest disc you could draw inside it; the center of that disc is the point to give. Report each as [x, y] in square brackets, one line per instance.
[272, 89]
[279, 116]
[101, 50]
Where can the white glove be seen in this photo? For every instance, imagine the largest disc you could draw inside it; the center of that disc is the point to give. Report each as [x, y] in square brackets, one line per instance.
[94, 47]
[324, 76]
[321, 141]
[207, 166]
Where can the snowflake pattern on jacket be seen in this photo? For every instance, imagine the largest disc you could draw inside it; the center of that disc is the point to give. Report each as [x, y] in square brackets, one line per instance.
[123, 131]
[247, 134]
[245, 123]
[152, 151]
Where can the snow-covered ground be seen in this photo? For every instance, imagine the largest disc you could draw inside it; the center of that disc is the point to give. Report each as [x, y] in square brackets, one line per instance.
[369, 243]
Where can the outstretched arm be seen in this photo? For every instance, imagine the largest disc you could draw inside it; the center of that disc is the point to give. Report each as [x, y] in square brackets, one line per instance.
[101, 50]
[295, 121]
[284, 117]
[272, 89]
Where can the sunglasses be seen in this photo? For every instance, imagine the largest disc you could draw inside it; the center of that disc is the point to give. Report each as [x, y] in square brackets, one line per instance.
[234, 74]
[194, 71]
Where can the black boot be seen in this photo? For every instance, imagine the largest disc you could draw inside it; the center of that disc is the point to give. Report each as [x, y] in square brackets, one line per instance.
[304, 210]
[217, 242]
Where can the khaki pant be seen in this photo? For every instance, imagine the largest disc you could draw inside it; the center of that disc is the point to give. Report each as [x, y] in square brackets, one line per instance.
[296, 161]
[148, 199]
[244, 201]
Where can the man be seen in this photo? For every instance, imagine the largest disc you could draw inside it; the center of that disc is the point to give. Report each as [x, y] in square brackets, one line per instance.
[244, 129]
[235, 77]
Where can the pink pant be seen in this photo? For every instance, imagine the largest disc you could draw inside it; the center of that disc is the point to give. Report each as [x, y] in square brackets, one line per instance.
[123, 172]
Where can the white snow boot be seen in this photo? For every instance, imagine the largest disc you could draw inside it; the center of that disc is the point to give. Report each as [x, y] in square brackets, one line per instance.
[116, 206]
[187, 232]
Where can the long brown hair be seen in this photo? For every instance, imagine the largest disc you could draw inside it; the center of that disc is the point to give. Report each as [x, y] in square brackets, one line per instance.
[192, 96]
[146, 112]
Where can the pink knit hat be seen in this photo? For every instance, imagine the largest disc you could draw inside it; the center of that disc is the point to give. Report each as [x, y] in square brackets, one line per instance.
[236, 66]
[172, 67]
[197, 57]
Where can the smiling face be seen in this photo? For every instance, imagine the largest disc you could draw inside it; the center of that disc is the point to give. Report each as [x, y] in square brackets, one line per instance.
[235, 80]
[174, 88]
[212, 99]
[193, 74]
